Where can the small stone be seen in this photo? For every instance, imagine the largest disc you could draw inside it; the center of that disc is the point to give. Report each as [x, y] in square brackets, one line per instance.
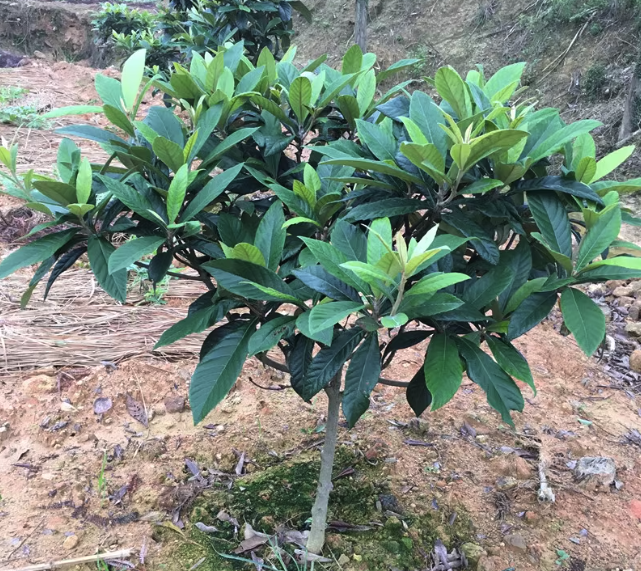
[633, 329]
[516, 542]
[4, 431]
[39, 55]
[506, 483]
[635, 360]
[521, 468]
[482, 438]
[531, 517]
[597, 290]
[623, 291]
[71, 542]
[607, 312]
[626, 301]
[442, 484]
[419, 426]
[174, 405]
[597, 470]
[343, 560]
[40, 384]
[472, 552]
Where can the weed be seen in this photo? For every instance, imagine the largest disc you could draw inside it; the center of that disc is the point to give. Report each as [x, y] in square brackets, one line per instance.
[10, 93]
[485, 12]
[23, 116]
[426, 57]
[102, 565]
[153, 293]
[102, 480]
[594, 80]
[279, 557]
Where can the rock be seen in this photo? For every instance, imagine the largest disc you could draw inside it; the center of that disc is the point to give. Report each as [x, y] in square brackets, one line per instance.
[623, 291]
[174, 405]
[597, 470]
[633, 329]
[4, 431]
[516, 543]
[597, 290]
[343, 560]
[634, 311]
[635, 360]
[625, 301]
[506, 483]
[39, 55]
[482, 438]
[531, 517]
[607, 312]
[71, 542]
[521, 468]
[419, 426]
[635, 509]
[472, 552]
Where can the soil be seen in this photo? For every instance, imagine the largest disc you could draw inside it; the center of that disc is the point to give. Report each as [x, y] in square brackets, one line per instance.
[460, 475]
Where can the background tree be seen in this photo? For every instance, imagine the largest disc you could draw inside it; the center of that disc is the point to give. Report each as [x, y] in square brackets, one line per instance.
[360, 24]
[410, 220]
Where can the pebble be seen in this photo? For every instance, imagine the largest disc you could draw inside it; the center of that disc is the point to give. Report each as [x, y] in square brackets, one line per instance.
[507, 483]
[516, 542]
[635, 509]
[633, 329]
[596, 469]
[635, 360]
[71, 542]
[174, 405]
[623, 291]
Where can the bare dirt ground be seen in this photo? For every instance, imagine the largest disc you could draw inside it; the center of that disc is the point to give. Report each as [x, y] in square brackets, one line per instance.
[461, 459]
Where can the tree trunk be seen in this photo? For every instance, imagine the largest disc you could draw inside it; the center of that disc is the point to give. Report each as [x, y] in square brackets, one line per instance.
[316, 538]
[360, 26]
[628, 113]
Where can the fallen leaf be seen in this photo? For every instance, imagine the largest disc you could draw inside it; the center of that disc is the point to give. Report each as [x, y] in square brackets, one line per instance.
[102, 405]
[137, 411]
[224, 516]
[252, 543]
[306, 557]
[205, 528]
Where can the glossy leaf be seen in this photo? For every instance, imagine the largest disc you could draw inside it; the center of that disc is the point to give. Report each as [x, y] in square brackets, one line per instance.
[362, 376]
[584, 319]
[443, 369]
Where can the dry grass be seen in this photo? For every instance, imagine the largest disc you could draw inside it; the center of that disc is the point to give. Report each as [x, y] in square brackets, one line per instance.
[79, 325]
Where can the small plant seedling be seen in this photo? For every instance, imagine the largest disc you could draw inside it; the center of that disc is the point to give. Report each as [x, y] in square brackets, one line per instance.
[102, 480]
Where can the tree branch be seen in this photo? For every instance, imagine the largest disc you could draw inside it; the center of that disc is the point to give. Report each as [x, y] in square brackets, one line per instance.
[265, 360]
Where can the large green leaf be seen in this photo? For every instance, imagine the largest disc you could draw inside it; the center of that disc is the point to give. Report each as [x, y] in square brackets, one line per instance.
[108, 90]
[249, 280]
[325, 336]
[132, 72]
[320, 280]
[425, 113]
[483, 243]
[433, 282]
[99, 252]
[130, 197]
[559, 138]
[388, 207]
[210, 192]
[486, 289]
[530, 313]
[552, 219]
[439, 303]
[418, 396]
[379, 240]
[271, 333]
[60, 192]
[452, 88]
[502, 392]
[298, 361]
[504, 77]
[558, 184]
[381, 143]
[511, 360]
[376, 166]
[350, 241]
[91, 133]
[169, 153]
[133, 251]
[362, 375]
[177, 192]
[196, 322]
[584, 319]
[217, 372]
[326, 315]
[602, 233]
[35, 251]
[300, 96]
[72, 110]
[610, 162]
[270, 235]
[443, 369]
[166, 124]
[329, 361]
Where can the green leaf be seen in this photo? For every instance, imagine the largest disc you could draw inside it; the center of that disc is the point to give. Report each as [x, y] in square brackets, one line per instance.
[379, 240]
[369, 273]
[35, 251]
[300, 96]
[483, 243]
[329, 361]
[119, 119]
[217, 372]
[366, 91]
[612, 161]
[482, 186]
[502, 392]
[528, 288]
[428, 285]
[80, 210]
[530, 313]
[210, 192]
[59, 192]
[555, 142]
[552, 219]
[585, 170]
[108, 90]
[558, 184]
[504, 77]
[426, 114]
[196, 322]
[393, 321]
[169, 153]
[84, 181]
[602, 233]
[326, 315]
[132, 72]
[325, 336]
[248, 280]
[72, 110]
[510, 360]
[270, 235]
[271, 333]
[247, 252]
[176, 193]
[133, 251]
[130, 197]
[362, 376]
[320, 280]
[584, 319]
[166, 124]
[493, 142]
[439, 303]
[388, 207]
[418, 396]
[91, 133]
[376, 166]
[99, 252]
[486, 289]
[442, 369]
[230, 142]
[452, 88]
[381, 143]
[352, 60]
[351, 241]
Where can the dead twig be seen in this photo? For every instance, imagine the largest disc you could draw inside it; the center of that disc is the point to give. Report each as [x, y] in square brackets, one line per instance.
[122, 554]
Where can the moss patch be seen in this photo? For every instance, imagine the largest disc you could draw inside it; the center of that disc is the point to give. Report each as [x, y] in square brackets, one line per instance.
[282, 495]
